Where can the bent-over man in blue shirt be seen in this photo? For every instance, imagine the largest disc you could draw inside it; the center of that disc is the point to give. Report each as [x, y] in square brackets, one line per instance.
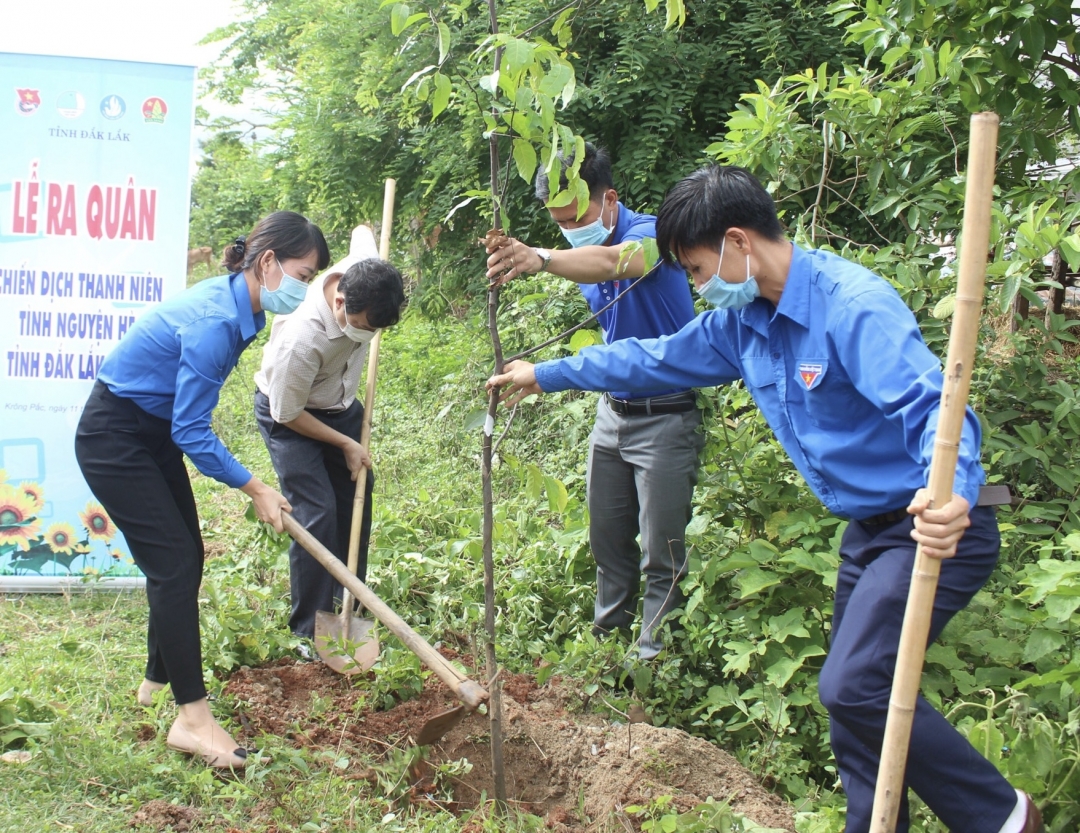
[644, 447]
[836, 363]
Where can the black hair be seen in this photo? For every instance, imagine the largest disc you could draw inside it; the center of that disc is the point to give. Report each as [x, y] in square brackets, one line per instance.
[595, 171]
[375, 287]
[700, 209]
[288, 234]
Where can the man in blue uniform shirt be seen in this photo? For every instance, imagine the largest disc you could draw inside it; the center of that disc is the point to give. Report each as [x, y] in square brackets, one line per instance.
[836, 363]
[645, 444]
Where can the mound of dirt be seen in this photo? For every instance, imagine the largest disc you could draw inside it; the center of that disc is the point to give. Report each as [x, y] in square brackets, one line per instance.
[574, 769]
[161, 815]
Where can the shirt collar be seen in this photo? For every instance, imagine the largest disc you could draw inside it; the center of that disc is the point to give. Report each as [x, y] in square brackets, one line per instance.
[250, 322]
[795, 298]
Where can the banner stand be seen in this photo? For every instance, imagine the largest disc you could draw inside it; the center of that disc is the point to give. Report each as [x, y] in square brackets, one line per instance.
[94, 204]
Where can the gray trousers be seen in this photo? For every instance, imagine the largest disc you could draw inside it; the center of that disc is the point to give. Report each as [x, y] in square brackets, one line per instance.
[641, 478]
[315, 479]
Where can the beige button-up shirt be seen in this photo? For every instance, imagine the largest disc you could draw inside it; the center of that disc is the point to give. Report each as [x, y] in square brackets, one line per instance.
[308, 361]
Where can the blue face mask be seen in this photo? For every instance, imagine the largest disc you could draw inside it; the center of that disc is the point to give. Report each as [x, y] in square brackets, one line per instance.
[594, 234]
[286, 298]
[724, 295]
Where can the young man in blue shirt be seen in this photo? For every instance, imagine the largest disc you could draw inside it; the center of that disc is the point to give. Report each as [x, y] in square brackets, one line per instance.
[836, 363]
[645, 444]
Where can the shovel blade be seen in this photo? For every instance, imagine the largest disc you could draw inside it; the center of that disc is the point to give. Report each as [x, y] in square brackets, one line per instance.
[348, 653]
[439, 725]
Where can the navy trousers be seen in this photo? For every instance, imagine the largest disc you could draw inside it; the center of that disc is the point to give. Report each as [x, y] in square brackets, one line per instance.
[315, 479]
[958, 784]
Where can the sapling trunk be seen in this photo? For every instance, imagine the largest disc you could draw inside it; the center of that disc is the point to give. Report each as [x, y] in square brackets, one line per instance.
[495, 687]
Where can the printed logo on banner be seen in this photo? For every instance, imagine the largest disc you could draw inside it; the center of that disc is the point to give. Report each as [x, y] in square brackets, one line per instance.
[27, 101]
[113, 107]
[71, 104]
[154, 111]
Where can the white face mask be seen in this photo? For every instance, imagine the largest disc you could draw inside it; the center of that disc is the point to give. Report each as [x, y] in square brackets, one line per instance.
[360, 336]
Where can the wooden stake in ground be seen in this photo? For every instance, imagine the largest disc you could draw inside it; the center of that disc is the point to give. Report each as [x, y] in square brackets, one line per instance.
[974, 244]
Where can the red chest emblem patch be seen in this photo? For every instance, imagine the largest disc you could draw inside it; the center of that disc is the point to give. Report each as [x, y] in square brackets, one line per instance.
[809, 372]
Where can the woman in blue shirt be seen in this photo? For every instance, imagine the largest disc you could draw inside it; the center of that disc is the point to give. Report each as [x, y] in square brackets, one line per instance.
[150, 406]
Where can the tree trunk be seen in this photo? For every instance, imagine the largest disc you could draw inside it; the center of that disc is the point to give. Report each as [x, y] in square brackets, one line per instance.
[1056, 303]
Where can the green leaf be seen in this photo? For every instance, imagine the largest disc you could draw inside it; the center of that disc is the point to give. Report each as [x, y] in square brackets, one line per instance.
[557, 494]
[739, 655]
[444, 41]
[945, 307]
[517, 55]
[441, 96]
[754, 580]
[475, 419]
[584, 338]
[988, 739]
[779, 672]
[788, 623]
[525, 159]
[399, 16]
[534, 482]
[1042, 642]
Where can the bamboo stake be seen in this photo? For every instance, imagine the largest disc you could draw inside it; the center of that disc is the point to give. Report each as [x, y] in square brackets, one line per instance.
[978, 197]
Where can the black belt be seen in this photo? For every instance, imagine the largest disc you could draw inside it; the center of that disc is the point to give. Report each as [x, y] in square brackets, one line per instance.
[672, 403]
[988, 496]
[326, 412]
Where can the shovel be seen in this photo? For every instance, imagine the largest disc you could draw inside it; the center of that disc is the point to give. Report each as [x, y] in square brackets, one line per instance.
[345, 642]
[469, 693]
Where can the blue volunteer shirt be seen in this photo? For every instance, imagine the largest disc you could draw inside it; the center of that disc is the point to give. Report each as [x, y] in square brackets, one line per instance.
[659, 307]
[174, 360]
[839, 370]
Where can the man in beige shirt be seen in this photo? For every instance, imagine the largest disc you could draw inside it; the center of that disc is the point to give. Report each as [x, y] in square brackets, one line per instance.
[310, 418]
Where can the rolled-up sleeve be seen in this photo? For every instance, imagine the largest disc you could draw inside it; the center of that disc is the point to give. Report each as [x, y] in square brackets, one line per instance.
[206, 355]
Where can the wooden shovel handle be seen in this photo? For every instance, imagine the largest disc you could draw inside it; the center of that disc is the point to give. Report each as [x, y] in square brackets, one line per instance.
[978, 198]
[468, 692]
[360, 497]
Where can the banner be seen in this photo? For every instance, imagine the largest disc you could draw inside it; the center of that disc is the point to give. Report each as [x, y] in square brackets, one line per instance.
[94, 194]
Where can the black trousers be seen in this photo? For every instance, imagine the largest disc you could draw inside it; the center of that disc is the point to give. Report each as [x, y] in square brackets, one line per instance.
[315, 479]
[133, 467]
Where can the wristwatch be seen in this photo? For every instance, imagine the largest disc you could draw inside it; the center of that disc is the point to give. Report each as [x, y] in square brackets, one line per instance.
[545, 257]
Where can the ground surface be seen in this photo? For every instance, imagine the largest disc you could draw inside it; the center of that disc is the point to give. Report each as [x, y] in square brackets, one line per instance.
[574, 769]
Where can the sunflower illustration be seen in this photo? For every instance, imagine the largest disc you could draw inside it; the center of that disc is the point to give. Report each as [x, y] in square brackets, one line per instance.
[97, 522]
[17, 522]
[61, 538]
[34, 492]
